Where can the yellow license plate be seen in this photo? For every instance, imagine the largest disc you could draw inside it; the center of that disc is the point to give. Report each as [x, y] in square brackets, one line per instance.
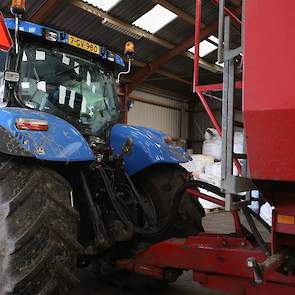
[83, 44]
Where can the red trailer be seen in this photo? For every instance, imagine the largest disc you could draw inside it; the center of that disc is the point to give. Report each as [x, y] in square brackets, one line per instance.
[242, 263]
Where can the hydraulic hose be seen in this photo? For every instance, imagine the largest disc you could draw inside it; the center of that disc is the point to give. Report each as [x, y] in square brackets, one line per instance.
[98, 225]
[255, 231]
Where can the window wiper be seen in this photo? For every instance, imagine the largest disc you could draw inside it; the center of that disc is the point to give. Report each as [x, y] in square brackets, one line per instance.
[104, 97]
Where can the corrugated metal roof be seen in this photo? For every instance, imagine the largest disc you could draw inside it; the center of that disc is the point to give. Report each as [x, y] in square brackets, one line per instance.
[131, 10]
[181, 31]
[181, 65]
[187, 6]
[78, 22]
[165, 83]
[209, 12]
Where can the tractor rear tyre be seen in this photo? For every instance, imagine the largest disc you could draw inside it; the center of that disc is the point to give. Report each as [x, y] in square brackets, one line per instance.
[38, 231]
[160, 184]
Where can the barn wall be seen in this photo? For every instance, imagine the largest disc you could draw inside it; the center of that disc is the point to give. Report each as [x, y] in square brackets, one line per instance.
[169, 115]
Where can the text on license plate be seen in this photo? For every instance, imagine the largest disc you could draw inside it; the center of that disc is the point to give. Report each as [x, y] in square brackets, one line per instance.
[83, 44]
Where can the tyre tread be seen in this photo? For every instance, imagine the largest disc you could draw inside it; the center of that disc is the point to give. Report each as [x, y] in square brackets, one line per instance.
[36, 248]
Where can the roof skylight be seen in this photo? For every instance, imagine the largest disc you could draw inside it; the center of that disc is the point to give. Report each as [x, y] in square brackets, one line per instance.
[220, 64]
[213, 39]
[105, 5]
[155, 19]
[192, 49]
[205, 48]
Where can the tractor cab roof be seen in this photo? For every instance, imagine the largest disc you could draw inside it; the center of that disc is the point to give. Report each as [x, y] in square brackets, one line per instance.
[61, 37]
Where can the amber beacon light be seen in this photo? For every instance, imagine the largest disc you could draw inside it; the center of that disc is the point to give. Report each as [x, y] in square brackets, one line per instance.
[18, 7]
[129, 48]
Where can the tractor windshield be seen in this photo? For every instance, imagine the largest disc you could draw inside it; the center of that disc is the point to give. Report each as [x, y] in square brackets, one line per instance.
[75, 89]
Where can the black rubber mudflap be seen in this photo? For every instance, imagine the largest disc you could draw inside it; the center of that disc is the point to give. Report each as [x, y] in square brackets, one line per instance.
[38, 229]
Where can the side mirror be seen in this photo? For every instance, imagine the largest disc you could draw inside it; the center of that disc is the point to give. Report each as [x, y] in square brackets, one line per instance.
[11, 76]
[130, 104]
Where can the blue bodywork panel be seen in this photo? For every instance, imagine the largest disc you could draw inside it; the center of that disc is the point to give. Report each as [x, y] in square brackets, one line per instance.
[62, 142]
[148, 148]
[62, 37]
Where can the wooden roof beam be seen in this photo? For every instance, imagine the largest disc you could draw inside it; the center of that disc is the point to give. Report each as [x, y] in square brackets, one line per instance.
[168, 93]
[44, 11]
[151, 67]
[117, 22]
[134, 30]
[154, 65]
[185, 16]
[163, 73]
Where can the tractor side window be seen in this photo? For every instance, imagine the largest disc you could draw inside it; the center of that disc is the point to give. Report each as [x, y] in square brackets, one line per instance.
[3, 56]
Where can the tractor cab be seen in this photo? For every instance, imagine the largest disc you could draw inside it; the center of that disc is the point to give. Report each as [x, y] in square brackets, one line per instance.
[63, 75]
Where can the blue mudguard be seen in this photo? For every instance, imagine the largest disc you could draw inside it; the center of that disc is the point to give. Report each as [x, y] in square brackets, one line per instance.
[61, 142]
[148, 147]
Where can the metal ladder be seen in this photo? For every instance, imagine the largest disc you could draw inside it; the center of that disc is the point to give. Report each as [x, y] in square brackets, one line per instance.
[231, 185]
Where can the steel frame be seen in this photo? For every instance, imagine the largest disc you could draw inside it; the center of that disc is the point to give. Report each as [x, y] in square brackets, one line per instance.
[140, 76]
[235, 19]
[218, 262]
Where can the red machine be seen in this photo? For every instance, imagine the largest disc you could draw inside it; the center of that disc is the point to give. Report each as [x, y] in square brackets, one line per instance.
[5, 39]
[242, 263]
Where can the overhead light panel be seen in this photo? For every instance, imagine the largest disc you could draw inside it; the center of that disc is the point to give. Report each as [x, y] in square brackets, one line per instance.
[192, 49]
[105, 5]
[155, 19]
[206, 48]
[214, 39]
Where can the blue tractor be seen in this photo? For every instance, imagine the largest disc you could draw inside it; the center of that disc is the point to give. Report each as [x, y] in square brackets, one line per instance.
[77, 188]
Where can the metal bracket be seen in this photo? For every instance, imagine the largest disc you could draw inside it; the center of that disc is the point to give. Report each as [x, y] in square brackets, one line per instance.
[237, 184]
[231, 185]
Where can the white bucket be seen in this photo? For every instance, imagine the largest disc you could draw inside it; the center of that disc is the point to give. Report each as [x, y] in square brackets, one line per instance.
[198, 163]
[266, 213]
[212, 147]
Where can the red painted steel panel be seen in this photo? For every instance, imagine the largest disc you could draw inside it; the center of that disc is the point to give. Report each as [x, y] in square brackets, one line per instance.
[240, 286]
[269, 97]
[197, 41]
[215, 260]
[5, 39]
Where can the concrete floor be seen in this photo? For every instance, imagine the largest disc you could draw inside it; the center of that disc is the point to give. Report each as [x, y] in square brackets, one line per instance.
[184, 286]
[220, 222]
